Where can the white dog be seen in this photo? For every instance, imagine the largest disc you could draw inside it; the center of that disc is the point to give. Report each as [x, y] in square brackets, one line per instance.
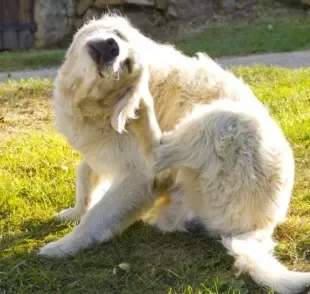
[234, 168]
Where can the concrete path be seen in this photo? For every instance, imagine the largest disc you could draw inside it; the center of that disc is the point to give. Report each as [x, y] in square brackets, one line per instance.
[291, 59]
[296, 59]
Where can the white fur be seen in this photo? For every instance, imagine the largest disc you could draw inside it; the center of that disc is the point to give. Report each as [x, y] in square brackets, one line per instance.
[237, 170]
[254, 257]
[84, 98]
[234, 167]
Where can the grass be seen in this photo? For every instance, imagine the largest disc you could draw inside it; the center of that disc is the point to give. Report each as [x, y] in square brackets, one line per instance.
[274, 30]
[37, 179]
[243, 40]
[32, 59]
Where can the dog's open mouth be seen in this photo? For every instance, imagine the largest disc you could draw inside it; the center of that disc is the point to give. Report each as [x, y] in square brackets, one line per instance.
[128, 64]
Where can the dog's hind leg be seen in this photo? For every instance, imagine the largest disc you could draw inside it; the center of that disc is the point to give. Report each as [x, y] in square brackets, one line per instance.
[146, 128]
[138, 109]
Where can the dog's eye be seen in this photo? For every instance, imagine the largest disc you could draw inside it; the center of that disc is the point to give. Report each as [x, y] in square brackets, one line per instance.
[118, 33]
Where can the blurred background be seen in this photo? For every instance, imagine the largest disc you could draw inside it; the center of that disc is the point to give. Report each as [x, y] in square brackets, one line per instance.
[35, 33]
[28, 24]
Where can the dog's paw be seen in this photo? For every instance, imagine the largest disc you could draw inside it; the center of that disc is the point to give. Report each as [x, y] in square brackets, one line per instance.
[124, 109]
[68, 215]
[58, 249]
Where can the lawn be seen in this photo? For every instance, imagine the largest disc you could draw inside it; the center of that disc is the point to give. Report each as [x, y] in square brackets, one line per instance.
[37, 179]
[31, 59]
[247, 39]
[276, 29]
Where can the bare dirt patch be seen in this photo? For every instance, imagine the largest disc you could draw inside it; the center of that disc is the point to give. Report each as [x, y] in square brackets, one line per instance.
[25, 107]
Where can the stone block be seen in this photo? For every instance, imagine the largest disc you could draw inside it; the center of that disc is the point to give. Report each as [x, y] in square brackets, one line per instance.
[105, 3]
[83, 5]
[162, 4]
[141, 2]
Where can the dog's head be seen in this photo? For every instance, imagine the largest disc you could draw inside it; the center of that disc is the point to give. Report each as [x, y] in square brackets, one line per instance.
[104, 59]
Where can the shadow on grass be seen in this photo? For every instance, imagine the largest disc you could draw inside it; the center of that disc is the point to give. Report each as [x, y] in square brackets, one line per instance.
[142, 260]
[31, 230]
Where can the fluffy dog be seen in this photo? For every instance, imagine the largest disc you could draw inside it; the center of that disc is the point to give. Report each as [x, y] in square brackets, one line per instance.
[234, 169]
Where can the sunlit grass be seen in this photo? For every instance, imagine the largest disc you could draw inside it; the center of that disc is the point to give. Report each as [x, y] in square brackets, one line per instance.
[37, 179]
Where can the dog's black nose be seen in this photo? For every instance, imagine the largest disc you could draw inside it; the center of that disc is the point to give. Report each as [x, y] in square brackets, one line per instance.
[103, 51]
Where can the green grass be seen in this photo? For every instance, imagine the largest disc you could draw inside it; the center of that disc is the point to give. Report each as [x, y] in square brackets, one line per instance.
[37, 180]
[242, 40]
[290, 31]
[31, 59]
[275, 29]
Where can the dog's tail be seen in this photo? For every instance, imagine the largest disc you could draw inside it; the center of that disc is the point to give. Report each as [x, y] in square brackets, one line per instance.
[255, 257]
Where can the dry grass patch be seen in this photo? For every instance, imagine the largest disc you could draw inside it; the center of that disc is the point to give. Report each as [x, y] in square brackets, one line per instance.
[25, 107]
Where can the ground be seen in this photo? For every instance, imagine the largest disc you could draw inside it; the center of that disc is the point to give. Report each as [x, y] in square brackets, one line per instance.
[295, 59]
[37, 169]
[37, 179]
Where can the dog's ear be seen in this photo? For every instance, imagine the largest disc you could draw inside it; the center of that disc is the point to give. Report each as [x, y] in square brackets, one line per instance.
[124, 109]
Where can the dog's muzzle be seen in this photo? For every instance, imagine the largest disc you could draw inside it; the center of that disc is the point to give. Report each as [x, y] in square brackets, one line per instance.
[103, 52]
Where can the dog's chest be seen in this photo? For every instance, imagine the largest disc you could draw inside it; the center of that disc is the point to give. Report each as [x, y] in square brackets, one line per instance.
[101, 146]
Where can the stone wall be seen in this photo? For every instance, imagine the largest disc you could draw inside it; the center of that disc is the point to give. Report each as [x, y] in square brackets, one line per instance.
[57, 20]
[305, 2]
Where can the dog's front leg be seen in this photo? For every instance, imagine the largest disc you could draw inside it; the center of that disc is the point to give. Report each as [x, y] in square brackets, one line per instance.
[86, 194]
[83, 192]
[118, 209]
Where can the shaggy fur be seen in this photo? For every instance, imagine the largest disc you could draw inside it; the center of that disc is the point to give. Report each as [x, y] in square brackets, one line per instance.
[233, 169]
